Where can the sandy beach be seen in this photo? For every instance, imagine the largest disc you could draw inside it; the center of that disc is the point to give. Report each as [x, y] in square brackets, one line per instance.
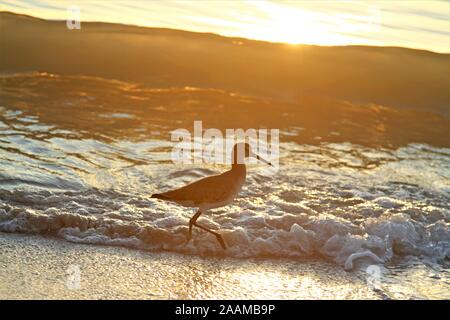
[35, 267]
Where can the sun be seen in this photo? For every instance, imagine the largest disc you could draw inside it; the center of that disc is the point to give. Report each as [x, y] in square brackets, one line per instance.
[280, 23]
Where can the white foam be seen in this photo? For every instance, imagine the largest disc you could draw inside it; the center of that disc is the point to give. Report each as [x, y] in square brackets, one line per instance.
[307, 210]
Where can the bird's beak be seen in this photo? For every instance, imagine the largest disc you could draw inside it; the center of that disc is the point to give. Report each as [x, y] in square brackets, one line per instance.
[263, 160]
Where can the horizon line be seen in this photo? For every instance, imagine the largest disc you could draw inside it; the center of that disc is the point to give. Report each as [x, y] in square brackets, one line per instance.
[231, 37]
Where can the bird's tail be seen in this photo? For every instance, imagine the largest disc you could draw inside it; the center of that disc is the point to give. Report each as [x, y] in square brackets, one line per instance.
[160, 196]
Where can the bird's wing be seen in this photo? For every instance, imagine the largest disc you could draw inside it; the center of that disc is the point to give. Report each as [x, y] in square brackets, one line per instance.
[207, 190]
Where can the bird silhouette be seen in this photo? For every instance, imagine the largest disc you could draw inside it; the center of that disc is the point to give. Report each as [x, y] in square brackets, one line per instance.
[214, 191]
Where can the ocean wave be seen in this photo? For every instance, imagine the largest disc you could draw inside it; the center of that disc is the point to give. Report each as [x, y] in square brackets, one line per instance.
[352, 187]
[95, 217]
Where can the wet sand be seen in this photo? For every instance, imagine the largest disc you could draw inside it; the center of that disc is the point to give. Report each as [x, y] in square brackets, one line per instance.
[36, 267]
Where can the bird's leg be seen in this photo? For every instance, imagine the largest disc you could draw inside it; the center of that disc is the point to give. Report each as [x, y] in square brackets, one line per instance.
[218, 236]
[192, 222]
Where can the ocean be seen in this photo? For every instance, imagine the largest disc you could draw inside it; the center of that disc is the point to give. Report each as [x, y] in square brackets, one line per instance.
[357, 205]
[357, 185]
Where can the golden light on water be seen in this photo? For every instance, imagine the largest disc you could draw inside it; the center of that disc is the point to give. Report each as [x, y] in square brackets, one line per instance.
[98, 125]
[290, 25]
[414, 24]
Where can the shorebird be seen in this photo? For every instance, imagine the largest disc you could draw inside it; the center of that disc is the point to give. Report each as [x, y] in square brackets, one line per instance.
[214, 191]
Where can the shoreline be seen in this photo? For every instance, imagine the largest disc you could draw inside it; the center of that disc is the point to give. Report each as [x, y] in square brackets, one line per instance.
[38, 267]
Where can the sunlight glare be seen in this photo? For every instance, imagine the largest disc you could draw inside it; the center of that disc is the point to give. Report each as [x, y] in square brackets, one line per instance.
[281, 23]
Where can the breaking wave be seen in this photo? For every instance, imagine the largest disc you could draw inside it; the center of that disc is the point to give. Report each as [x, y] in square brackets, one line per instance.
[337, 214]
[81, 161]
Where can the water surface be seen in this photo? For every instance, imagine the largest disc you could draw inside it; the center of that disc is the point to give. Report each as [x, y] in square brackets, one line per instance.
[357, 184]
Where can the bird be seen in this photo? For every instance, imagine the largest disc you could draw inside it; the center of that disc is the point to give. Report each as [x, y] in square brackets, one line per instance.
[213, 191]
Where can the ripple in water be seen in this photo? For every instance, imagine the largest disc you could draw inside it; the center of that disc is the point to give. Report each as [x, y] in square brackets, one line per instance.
[82, 165]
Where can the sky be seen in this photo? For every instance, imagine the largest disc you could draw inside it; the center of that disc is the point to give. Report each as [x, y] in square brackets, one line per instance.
[420, 24]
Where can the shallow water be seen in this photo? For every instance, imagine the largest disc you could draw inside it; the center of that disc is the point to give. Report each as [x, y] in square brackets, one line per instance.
[356, 185]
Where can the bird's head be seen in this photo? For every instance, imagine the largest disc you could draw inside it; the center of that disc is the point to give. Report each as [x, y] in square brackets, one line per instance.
[243, 150]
